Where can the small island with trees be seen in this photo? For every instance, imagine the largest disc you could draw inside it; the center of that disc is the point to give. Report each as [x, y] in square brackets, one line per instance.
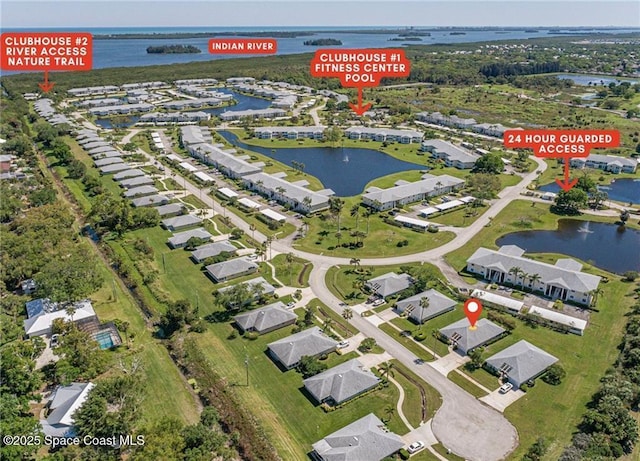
[323, 42]
[173, 49]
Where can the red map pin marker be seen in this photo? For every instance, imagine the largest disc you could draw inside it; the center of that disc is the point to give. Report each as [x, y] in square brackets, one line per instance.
[472, 309]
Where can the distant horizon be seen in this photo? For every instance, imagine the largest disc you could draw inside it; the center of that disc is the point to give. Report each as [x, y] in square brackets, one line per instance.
[310, 13]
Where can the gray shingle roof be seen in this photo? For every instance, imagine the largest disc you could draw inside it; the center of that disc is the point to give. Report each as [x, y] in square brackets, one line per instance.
[212, 249]
[114, 168]
[389, 283]
[438, 304]
[181, 238]
[140, 190]
[231, 268]
[135, 182]
[132, 173]
[108, 161]
[266, 318]
[362, 440]
[169, 208]
[149, 200]
[427, 186]
[267, 288]
[572, 279]
[468, 339]
[310, 342]
[341, 382]
[522, 361]
[291, 190]
[181, 221]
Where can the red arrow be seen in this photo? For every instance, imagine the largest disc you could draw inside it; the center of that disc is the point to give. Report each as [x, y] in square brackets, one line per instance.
[359, 109]
[46, 86]
[566, 185]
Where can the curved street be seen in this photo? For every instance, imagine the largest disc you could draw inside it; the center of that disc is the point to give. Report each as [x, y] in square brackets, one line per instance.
[463, 424]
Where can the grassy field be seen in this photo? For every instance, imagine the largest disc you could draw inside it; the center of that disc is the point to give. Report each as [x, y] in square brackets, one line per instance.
[294, 273]
[429, 327]
[408, 342]
[251, 217]
[339, 325]
[461, 217]
[112, 301]
[292, 421]
[549, 411]
[412, 405]
[466, 384]
[344, 281]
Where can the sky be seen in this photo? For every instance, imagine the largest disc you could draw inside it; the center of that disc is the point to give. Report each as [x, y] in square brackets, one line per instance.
[218, 13]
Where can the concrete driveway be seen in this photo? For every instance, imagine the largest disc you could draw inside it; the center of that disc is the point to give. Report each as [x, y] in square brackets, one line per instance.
[449, 362]
[501, 401]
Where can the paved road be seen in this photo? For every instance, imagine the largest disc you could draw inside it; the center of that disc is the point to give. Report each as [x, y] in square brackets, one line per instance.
[463, 424]
[466, 426]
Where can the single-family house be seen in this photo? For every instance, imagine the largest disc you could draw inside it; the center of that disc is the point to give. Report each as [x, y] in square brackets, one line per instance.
[466, 339]
[425, 305]
[366, 439]
[312, 342]
[178, 222]
[265, 319]
[212, 249]
[341, 383]
[150, 200]
[389, 284]
[230, 269]
[521, 362]
[42, 313]
[180, 239]
[64, 402]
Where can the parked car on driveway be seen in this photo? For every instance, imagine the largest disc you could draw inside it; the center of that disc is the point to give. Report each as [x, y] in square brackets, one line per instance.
[415, 447]
[343, 344]
[506, 387]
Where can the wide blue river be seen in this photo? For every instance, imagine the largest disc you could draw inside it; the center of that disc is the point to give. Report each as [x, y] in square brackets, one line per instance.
[133, 52]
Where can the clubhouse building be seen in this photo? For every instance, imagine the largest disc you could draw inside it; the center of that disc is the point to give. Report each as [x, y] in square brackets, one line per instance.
[562, 280]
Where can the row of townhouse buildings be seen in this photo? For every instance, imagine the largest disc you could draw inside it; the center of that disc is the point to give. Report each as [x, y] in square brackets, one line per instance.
[122, 109]
[159, 118]
[453, 156]
[404, 192]
[611, 163]
[290, 132]
[106, 89]
[282, 99]
[489, 129]
[197, 141]
[384, 134]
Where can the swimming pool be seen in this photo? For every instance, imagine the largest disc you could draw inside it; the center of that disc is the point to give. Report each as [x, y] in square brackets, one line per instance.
[104, 340]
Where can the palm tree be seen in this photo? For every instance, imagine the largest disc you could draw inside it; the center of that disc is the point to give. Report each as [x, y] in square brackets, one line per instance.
[355, 212]
[338, 236]
[367, 214]
[336, 206]
[594, 295]
[525, 277]
[515, 271]
[268, 242]
[386, 368]
[252, 228]
[424, 304]
[326, 324]
[624, 216]
[347, 313]
[289, 258]
[438, 187]
[281, 190]
[306, 201]
[535, 278]
[70, 311]
[355, 262]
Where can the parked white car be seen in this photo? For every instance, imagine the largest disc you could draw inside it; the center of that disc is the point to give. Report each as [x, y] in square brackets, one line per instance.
[506, 387]
[415, 447]
[378, 302]
[343, 344]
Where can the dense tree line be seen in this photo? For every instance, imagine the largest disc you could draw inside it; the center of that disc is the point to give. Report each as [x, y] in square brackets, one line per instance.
[502, 69]
[608, 429]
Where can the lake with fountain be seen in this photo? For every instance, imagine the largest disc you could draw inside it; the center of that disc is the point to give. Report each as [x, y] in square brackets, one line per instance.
[345, 170]
[608, 246]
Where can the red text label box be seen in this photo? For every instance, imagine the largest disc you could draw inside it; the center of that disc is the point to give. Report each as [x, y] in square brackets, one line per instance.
[32, 51]
[243, 46]
[561, 143]
[360, 67]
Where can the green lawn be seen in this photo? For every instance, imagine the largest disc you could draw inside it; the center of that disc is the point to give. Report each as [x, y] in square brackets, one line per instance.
[340, 325]
[292, 421]
[412, 405]
[250, 217]
[483, 377]
[549, 411]
[408, 342]
[381, 239]
[466, 384]
[443, 451]
[345, 281]
[195, 201]
[461, 217]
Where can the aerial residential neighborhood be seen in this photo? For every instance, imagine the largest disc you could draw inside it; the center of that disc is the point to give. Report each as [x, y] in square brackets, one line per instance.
[209, 256]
